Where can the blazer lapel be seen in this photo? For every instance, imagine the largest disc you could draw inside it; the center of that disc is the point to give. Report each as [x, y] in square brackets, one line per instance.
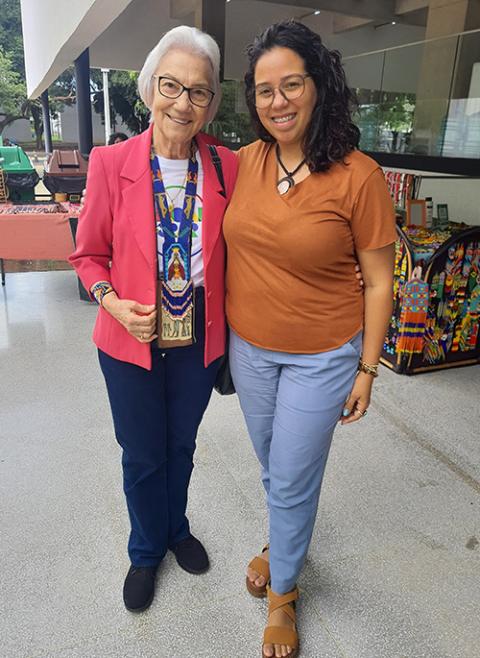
[138, 195]
[138, 198]
[213, 202]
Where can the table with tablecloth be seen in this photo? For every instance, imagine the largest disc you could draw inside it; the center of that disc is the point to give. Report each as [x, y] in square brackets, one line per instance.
[36, 232]
[436, 315]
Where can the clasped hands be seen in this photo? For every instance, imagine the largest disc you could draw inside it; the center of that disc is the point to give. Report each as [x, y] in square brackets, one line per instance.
[139, 320]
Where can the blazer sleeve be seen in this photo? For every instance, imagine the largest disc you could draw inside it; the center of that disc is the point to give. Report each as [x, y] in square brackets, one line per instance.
[93, 251]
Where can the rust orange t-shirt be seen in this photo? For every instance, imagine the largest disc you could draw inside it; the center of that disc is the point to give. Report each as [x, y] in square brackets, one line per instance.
[291, 284]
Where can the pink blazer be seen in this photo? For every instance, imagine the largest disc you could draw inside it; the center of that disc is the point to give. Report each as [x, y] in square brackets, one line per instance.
[116, 240]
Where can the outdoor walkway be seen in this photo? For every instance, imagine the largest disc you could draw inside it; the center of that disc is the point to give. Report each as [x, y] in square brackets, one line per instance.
[394, 566]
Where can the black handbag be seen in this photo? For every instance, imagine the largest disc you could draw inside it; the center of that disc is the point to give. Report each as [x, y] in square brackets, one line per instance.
[223, 381]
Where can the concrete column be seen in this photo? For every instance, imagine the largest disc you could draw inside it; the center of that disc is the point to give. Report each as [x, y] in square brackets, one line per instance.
[106, 105]
[84, 106]
[207, 15]
[188, 11]
[47, 128]
[213, 22]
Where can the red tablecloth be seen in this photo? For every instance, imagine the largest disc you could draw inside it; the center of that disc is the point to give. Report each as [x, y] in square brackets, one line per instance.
[44, 236]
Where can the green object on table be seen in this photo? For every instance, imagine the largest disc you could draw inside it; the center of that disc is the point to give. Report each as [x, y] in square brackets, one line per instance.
[19, 172]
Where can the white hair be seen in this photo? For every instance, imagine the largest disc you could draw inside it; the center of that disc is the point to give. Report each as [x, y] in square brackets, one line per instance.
[188, 39]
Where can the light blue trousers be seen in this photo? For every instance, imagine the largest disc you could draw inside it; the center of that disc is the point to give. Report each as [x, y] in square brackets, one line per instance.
[292, 404]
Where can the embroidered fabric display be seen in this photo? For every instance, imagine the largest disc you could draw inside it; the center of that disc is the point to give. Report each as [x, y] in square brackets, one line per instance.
[402, 187]
[413, 317]
[175, 301]
[174, 173]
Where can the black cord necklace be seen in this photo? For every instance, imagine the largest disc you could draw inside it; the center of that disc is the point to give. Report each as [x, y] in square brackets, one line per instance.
[285, 183]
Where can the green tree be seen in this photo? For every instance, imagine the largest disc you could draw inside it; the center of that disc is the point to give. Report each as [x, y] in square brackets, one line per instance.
[12, 93]
[395, 113]
[17, 105]
[14, 103]
[124, 99]
[11, 39]
[230, 125]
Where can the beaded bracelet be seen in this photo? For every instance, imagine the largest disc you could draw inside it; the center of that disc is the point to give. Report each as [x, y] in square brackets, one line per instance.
[368, 368]
[100, 289]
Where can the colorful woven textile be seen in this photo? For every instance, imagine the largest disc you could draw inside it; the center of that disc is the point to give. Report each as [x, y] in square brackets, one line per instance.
[413, 316]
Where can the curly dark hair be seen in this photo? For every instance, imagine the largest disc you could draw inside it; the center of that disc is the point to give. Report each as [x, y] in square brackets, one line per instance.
[331, 133]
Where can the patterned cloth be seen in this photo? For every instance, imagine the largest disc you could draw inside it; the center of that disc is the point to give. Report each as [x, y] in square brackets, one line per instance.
[173, 174]
[414, 314]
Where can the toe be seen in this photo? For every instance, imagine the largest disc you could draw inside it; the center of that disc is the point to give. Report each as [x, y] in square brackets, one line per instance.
[256, 578]
[268, 650]
[252, 575]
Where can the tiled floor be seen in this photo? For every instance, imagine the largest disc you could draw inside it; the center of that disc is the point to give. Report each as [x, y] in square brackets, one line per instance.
[394, 566]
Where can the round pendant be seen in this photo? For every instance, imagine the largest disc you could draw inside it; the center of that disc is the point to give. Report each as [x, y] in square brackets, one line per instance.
[284, 184]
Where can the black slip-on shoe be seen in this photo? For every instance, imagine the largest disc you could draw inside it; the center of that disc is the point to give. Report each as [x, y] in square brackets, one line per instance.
[139, 588]
[191, 555]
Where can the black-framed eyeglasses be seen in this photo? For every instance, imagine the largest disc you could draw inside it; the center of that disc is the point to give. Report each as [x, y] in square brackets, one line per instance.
[170, 88]
[291, 87]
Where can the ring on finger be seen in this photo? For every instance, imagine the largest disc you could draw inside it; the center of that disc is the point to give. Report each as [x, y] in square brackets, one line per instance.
[362, 413]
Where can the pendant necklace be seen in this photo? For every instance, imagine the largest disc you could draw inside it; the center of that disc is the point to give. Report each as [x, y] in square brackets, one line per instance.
[172, 199]
[285, 183]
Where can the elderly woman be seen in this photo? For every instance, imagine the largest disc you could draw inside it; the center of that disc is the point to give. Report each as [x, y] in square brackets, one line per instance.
[305, 341]
[151, 253]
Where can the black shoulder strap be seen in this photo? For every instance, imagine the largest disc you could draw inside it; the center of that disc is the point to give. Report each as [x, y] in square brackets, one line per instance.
[217, 163]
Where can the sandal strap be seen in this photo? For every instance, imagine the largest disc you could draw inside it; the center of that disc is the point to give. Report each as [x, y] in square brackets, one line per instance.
[276, 601]
[261, 566]
[281, 635]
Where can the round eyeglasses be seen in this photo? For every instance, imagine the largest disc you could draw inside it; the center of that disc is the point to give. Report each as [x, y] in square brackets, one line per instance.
[291, 87]
[199, 96]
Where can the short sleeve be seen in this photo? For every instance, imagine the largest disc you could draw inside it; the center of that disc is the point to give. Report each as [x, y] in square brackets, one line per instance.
[373, 215]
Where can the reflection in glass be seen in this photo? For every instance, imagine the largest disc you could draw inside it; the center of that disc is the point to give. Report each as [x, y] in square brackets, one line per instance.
[420, 99]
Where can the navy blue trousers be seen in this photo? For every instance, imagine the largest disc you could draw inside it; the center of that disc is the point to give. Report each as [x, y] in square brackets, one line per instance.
[156, 415]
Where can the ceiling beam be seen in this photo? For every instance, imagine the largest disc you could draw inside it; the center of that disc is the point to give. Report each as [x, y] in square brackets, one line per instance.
[406, 6]
[378, 10]
[347, 23]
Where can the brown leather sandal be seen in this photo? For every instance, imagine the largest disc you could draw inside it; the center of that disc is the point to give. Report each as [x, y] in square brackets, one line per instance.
[262, 567]
[282, 634]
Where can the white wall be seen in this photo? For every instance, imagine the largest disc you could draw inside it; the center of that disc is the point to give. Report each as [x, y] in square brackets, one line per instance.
[19, 131]
[69, 126]
[56, 33]
[130, 37]
[462, 195]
